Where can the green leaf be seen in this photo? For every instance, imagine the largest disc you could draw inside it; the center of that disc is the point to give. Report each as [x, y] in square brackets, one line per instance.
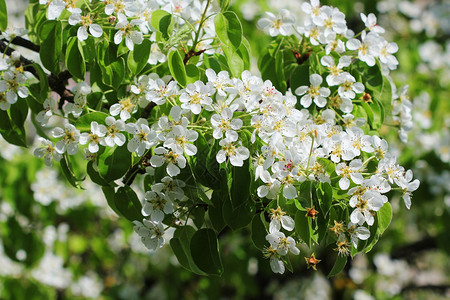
[300, 76]
[110, 193]
[198, 215]
[111, 66]
[95, 177]
[369, 113]
[163, 22]
[114, 163]
[84, 122]
[215, 211]
[338, 266]
[88, 48]
[240, 215]
[128, 204]
[50, 35]
[205, 251]
[68, 172]
[303, 227]
[9, 130]
[180, 244]
[224, 4]
[239, 60]
[43, 83]
[75, 58]
[3, 15]
[177, 68]
[259, 231]
[326, 199]
[384, 216]
[240, 183]
[137, 59]
[270, 64]
[228, 29]
[19, 113]
[192, 73]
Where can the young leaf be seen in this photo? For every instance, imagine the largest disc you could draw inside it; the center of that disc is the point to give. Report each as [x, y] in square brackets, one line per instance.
[84, 122]
[384, 216]
[205, 251]
[3, 15]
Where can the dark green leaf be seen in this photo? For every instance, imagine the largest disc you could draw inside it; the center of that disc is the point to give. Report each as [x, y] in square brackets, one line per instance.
[192, 74]
[180, 244]
[51, 40]
[215, 211]
[43, 83]
[303, 227]
[338, 266]
[259, 231]
[114, 163]
[327, 198]
[75, 58]
[198, 216]
[240, 215]
[128, 204]
[95, 177]
[10, 132]
[19, 113]
[205, 251]
[110, 193]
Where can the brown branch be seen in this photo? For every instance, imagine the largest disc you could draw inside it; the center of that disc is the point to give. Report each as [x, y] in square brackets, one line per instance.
[19, 41]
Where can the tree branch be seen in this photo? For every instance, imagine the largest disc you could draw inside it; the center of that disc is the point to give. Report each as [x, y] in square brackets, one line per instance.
[19, 41]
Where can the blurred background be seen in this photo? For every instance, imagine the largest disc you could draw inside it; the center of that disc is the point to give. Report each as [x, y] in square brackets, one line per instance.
[57, 242]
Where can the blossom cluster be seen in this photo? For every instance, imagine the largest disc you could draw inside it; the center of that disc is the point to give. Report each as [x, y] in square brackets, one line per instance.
[326, 27]
[13, 79]
[294, 146]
